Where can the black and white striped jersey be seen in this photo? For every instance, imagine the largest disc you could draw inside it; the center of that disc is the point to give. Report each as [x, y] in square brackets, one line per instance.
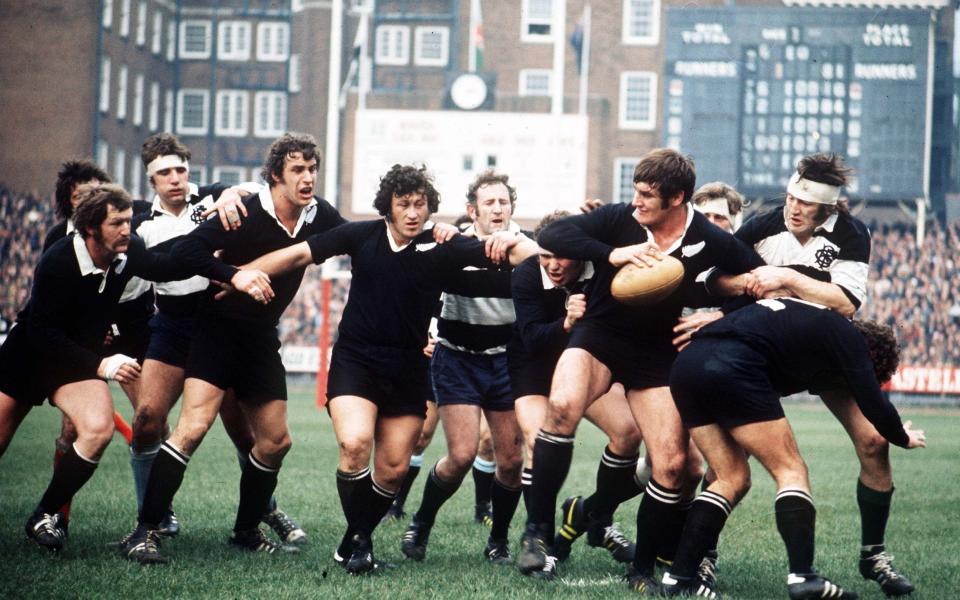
[838, 252]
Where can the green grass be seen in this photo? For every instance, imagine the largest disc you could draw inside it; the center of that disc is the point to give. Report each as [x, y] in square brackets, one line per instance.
[923, 533]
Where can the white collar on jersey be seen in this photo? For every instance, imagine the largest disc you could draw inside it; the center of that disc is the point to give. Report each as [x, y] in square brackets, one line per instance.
[307, 215]
[472, 229]
[394, 246]
[548, 284]
[829, 224]
[679, 240]
[70, 227]
[157, 206]
[85, 261]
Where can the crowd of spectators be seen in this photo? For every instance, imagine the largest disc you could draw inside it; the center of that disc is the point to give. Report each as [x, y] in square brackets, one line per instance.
[917, 290]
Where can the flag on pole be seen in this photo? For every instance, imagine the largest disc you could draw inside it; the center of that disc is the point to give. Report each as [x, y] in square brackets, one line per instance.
[576, 40]
[476, 37]
[352, 72]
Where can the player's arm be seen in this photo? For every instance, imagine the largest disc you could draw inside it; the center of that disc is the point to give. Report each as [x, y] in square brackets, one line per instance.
[769, 279]
[228, 202]
[152, 264]
[513, 247]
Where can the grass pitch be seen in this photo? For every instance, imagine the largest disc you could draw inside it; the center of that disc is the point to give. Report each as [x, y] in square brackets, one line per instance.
[923, 533]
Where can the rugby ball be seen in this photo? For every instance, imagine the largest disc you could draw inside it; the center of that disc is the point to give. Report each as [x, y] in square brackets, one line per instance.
[639, 286]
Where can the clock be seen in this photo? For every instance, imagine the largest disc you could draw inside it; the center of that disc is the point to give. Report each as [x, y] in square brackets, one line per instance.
[468, 91]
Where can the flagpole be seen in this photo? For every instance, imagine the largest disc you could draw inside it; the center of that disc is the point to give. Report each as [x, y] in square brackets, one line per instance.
[559, 31]
[472, 37]
[585, 60]
[332, 154]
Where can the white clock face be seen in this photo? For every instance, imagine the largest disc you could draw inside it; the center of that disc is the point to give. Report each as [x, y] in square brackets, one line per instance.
[468, 91]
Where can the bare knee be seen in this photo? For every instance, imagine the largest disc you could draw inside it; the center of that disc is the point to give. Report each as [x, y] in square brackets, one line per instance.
[873, 449]
[273, 449]
[390, 474]
[562, 416]
[625, 440]
[670, 469]
[94, 435]
[149, 426]
[188, 436]
[460, 458]
[355, 453]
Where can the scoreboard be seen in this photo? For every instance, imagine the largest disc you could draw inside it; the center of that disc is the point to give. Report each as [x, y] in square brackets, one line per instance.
[749, 91]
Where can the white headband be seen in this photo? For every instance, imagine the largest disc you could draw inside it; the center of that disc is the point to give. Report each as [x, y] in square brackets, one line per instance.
[719, 206]
[167, 161]
[813, 191]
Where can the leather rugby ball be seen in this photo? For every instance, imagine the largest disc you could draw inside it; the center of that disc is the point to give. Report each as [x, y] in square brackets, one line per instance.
[640, 286]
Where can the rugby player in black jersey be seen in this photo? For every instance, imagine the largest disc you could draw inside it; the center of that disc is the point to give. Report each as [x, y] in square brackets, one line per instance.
[550, 296]
[727, 385]
[379, 376]
[615, 342]
[55, 349]
[235, 345]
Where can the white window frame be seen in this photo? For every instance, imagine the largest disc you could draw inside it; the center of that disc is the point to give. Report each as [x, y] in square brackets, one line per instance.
[207, 37]
[105, 85]
[198, 175]
[136, 177]
[270, 128]
[240, 172]
[120, 167]
[618, 164]
[424, 61]
[153, 114]
[141, 39]
[526, 22]
[236, 104]
[383, 52]
[641, 40]
[124, 18]
[524, 90]
[293, 74]
[193, 130]
[239, 37]
[103, 154]
[138, 100]
[122, 80]
[106, 17]
[650, 122]
[156, 42]
[268, 45]
[171, 40]
[168, 110]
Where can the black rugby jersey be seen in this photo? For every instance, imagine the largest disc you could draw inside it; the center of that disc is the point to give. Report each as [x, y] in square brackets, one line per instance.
[72, 302]
[541, 307]
[593, 236]
[804, 344]
[260, 233]
[838, 252]
[393, 292]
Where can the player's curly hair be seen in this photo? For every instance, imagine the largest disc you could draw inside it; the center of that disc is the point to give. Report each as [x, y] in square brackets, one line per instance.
[667, 171]
[490, 177]
[92, 208]
[401, 180]
[74, 172]
[828, 168]
[883, 347]
[547, 220]
[282, 147]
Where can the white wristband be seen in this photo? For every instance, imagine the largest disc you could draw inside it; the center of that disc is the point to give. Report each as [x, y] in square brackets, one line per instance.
[113, 364]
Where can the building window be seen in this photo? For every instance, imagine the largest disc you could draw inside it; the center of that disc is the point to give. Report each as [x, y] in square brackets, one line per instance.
[192, 111]
[136, 178]
[273, 41]
[198, 175]
[142, 23]
[156, 42]
[536, 21]
[103, 154]
[168, 110]
[106, 19]
[431, 46]
[119, 167]
[105, 85]
[233, 40]
[153, 116]
[124, 18]
[271, 116]
[122, 93]
[293, 74]
[229, 175]
[231, 119]
[638, 103]
[623, 179]
[641, 22]
[393, 45]
[138, 100]
[195, 38]
[171, 40]
[535, 82]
